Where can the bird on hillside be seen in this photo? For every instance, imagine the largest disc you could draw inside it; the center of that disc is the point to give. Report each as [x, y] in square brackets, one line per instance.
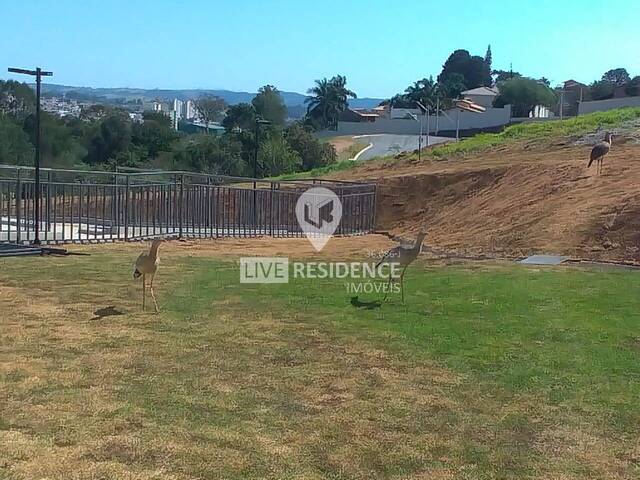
[404, 256]
[147, 265]
[599, 151]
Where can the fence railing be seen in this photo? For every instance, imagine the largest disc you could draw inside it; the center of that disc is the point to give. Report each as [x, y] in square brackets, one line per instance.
[78, 206]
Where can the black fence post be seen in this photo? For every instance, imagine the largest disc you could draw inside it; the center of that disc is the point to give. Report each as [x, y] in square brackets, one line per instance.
[126, 209]
[18, 205]
[180, 206]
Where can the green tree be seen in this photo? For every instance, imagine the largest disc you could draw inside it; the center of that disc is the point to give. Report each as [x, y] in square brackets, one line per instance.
[424, 91]
[633, 87]
[276, 157]
[210, 154]
[524, 94]
[16, 99]
[210, 109]
[269, 105]
[153, 135]
[111, 140]
[602, 90]
[329, 99]
[15, 147]
[158, 117]
[451, 89]
[399, 100]
[504, 75]
[474, 69]
[617, 76]
[58, 146]
[488, 57]
[312, 152]
[242, 116]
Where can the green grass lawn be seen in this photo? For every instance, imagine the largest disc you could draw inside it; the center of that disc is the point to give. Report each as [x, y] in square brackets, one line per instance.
[487, 371]
[542, 130]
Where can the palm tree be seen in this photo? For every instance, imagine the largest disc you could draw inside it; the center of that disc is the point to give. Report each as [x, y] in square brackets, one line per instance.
[339, 83]
[330, 98]
[321, 100]
[424, 91]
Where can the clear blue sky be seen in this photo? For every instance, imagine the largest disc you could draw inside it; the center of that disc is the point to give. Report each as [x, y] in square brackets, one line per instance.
[381, 46]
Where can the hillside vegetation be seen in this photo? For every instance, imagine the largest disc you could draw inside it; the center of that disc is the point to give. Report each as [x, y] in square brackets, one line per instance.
[539, 130]
[523, 191]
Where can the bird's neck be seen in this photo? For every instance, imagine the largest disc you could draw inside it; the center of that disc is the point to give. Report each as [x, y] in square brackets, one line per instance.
[154, 250]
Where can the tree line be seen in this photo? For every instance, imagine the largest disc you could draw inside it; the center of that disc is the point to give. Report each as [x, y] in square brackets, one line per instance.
[104, 137]
[463, 71]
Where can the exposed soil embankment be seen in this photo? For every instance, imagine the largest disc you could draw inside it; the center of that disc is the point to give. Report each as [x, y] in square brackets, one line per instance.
[517, 201]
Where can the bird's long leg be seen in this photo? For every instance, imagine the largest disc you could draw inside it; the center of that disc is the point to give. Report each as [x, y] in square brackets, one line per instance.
[153, 295]
[386, 293]
[402, 283]
[144, 291]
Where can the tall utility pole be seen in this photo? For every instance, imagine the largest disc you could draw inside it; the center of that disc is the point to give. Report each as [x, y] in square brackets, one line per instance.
[437, 115]
[425, 111]
[415, 117]
[38, 73]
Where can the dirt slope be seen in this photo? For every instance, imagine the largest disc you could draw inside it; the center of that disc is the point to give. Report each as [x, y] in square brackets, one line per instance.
[516, 200]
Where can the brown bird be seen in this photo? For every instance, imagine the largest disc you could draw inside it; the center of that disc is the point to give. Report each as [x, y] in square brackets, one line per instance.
[147, 264]
[599, 151]
[403, 256]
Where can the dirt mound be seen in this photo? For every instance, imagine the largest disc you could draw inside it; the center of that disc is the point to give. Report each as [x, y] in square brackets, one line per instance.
[516, 201]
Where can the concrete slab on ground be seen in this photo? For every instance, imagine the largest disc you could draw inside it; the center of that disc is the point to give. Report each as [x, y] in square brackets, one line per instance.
[544, 260]
[15, 250]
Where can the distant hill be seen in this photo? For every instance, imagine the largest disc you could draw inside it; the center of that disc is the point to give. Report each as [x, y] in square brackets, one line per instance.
[294, 101]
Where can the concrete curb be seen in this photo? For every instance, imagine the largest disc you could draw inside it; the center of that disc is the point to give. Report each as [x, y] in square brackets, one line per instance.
[357, 156]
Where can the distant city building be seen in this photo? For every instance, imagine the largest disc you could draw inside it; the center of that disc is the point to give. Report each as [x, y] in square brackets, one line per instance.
[178, 107]
[136, 117]
[157, 106]
[61, 106]
[175, 119]
[188, 110]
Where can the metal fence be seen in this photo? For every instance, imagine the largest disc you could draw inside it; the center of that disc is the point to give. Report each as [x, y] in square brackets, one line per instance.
[79, 206]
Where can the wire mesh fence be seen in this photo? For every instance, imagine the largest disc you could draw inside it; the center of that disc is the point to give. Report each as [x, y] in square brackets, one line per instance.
[79, 206]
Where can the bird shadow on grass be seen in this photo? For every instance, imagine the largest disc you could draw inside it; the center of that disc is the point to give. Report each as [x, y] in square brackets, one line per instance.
[109, 311]
[577, 179]
[365, 305]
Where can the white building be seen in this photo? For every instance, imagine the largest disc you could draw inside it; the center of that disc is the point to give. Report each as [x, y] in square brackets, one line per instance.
[136, 117]
[188, 110]
[483, 96]
[178, 106]
[175, 119]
